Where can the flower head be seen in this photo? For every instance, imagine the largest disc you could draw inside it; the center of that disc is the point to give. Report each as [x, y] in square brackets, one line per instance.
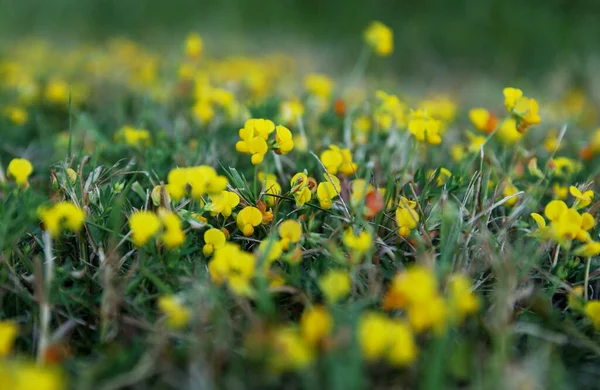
[178, 316]
[62, 215]
[290, 232]
[247, 219]
[144, 225]
[214, 239]
[335, 285]
[380, 38]
[19, 169]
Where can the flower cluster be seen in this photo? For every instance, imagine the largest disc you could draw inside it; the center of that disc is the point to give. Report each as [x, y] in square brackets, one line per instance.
[254, 139]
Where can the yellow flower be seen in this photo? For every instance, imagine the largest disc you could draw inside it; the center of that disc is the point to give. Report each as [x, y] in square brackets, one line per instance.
[270, 187]
[290, 231]
[193, 46]
[511, 96]
[173, 235]
[203, 111]
[592, 311]
[531, 117]
[391, 111]
[284, 139]
[232, 265]
[431, 313]
[332, 159]
[268, 251]
[291, 352]
[201, 180]
[19, 169]
[402, 349]
[29, 376]
[359, 190]
[508, 133]
[318, 85]
[144, 225]
[483, 120]
[327, 191]
[301, 142]
[358, 244]
[57, 92]
[560, 192]
[567, 224]
[291, 111]
[510, 189]
[425, 128]
[407, 217]
[316, 323]
[8, 334]
[588, 249]
[17, 115]
[443, 176]
[380, 38]
[373, 335]
[214, 239]
[223, 203]
[156, 195]
[62, 214]
[583, 199]
[247, 219]
[133, 137]
[178, 316]
[564, 166]
[462, 300]
[335, 285]
[412, 287]
[253, 139]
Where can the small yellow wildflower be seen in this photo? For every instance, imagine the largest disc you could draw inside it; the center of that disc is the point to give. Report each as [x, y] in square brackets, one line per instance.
[133, 137]
[62, 214]
[316, 323]
[291, 352]
[583, 199]
[462, 300]
[19, 169]
[232, 265]
[8, 334]
[318, 85]
[144, 225]
[327, 191]
[223, 203]
[412, 287]
[173, 235]
[284, 139]
[511, 96]
[407, 217]
[247, 219]
[214, 239]
[178, 316]
[589, 249]
[290, 232]
[358, 244]
[380, 38]
[425, 128]
[592, 311]
[373, 331]
[291, 111]
[16, 114]
[483, 120]
[193, 46]
[335, 285]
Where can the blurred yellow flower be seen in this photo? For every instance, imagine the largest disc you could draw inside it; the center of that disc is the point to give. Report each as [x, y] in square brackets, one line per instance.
[20, 169]
[144, 225]
[380, 38]
[178, 316]
[335, 285]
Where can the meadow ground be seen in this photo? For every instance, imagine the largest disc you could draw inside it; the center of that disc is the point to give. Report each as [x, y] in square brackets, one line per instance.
[174, 219]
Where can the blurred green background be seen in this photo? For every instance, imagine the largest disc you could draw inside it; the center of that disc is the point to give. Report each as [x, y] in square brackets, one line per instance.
[508, 36]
